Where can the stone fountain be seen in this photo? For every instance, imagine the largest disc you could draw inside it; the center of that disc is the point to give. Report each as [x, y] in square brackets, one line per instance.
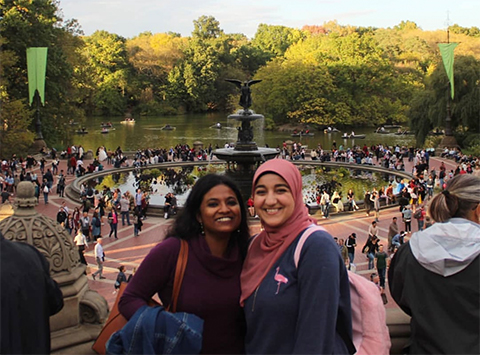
[243, 159]
[75, 328]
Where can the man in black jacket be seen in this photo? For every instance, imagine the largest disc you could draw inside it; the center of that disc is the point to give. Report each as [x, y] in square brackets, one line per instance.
[29, 297]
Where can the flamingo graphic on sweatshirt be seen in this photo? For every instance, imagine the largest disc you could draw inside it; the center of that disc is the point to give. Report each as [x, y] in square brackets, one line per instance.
[280, 279]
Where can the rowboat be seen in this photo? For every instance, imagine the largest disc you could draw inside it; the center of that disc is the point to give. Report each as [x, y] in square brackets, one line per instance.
[167, 127]
[300, 134]
[354, 136]
[330, 130]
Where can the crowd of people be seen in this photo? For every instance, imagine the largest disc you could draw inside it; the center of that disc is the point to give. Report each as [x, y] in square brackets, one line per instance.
[263, 298]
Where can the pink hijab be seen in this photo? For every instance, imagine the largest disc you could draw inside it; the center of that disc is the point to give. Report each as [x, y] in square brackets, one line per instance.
[271, 243]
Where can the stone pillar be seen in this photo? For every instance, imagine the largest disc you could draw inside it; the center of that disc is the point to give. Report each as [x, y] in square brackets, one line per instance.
[289, 146]
[76, 326]
[197, 146]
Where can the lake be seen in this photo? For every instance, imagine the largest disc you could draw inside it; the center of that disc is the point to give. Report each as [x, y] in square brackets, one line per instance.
[147, 132]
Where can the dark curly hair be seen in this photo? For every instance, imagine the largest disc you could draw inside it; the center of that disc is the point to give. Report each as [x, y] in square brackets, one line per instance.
[186, 225]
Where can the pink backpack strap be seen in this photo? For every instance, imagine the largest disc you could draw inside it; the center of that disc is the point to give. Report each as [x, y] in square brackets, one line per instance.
[250, 241]
[303, 238]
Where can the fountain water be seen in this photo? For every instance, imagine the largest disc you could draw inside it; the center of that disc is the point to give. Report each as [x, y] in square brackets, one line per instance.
[243, 159]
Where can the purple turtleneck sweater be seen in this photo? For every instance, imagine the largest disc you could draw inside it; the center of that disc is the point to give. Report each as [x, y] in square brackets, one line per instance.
[210, 290]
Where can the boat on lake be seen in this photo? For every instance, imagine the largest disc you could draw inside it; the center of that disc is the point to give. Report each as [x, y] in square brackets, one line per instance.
[128, 120]
[106, 130]
[381, 130]
[306, 133]
[81, 131]
[330, 130]
[106, 125]
[403, 133]
[353, 136]
[167, 127]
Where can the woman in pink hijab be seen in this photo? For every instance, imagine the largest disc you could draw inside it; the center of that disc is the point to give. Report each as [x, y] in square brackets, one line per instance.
[289, 309]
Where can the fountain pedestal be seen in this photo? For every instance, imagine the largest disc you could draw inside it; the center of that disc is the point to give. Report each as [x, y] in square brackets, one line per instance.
[246, 152]
[246, 156]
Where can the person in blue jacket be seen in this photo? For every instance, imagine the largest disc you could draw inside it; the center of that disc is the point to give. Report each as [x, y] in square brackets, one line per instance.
[290, 310]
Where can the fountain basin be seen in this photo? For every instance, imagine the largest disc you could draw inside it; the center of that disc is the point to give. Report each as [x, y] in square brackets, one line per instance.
[232, 155]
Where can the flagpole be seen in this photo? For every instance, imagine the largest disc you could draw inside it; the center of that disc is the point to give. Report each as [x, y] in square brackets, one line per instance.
[448, 119]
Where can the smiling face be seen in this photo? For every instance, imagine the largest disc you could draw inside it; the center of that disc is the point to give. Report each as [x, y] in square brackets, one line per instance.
[220, 211]
[273, 200]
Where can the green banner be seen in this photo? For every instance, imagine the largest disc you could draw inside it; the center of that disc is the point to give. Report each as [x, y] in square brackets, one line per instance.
[37, 67]
[446, 50]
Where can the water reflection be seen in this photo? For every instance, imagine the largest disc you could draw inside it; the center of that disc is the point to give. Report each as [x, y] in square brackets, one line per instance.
[159, 182]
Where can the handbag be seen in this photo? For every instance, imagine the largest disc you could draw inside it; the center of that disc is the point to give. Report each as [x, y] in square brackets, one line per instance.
[116, 320]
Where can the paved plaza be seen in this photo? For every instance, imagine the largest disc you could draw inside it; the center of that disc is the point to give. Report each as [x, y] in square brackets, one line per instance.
[130, 251]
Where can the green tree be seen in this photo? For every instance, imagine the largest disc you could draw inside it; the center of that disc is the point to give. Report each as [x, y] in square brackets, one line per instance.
[37, 24]
[275, 40]
[295, 92]
[472, 31]
[429, 109]
[206, 27]
[106, 54]
[365, 81]
[152, 58]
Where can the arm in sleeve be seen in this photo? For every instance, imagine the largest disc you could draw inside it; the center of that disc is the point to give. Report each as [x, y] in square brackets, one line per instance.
[153, 274]
[320, 273]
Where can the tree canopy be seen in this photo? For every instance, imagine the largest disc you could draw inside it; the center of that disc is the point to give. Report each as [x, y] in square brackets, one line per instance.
[325, 74]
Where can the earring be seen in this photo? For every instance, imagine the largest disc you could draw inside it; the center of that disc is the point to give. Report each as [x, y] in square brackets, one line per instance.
[202, 232]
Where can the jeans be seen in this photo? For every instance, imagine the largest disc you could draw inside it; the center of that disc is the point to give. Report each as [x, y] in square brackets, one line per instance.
[430, 191]
[420, 224]
[152, 330]
[351, 256]
[113, 230]
[326, 210]
[371, 258]
[135, 230]
[125, 214]
[45, 197]
[381, 275]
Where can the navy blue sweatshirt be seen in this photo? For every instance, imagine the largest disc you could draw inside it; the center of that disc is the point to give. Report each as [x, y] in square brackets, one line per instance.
[297, 311]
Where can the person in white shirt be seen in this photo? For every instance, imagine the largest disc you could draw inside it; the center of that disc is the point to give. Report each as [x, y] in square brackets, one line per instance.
[100, 258]
[81, 242]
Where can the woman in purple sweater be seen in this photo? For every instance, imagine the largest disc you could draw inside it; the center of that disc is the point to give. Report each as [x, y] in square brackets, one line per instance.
[214, 223]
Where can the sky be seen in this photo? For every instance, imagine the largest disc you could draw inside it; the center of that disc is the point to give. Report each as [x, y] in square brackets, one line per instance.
[128, 18]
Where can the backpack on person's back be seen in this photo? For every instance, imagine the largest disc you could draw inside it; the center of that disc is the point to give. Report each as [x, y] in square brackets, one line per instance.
[369, 324]
[417, 214]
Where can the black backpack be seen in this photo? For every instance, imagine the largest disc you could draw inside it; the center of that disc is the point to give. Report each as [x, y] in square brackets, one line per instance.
[61, 216]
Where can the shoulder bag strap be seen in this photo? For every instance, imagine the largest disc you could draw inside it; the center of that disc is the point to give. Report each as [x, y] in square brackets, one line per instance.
[179, 272]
